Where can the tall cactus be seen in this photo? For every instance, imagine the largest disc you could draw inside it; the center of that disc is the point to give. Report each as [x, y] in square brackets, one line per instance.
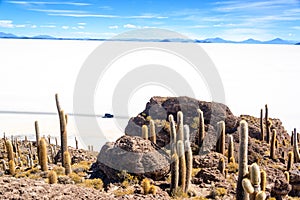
[273, 144]
[230, 148]
[182, 165]
[189, 157]
[201, 130]
[145, 132]
[180, 135]
[262, 125]
[173, 138]
[152, 132]
[63, 128]
[9, 148]
[220, 147]
[174, 172]
[37, 133]
[296, 148]
[43, 154]
[267, 123]
[263, 178]
[243, 159]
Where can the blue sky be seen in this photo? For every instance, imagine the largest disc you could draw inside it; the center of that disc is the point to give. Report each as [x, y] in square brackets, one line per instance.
[230, 19]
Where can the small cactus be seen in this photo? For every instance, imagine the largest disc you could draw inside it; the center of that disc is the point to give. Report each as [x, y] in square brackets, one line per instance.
[263, 178]
[153, 189]
[67, 163]
[145, 132]
[290, 161]
[43, 154]
[201, 130]
[182, 165]
[52, 176]
[9, 148]
[253, 186]
[262, 125]
[76, 143]
[146, 185]
[261, 196]
[12, 167]
[247, 186]
[220, 147]
[152, 132]
[4, 165]
[230, 148]
[243, 159]
[222, 166]
[287, 176]
[273, 144]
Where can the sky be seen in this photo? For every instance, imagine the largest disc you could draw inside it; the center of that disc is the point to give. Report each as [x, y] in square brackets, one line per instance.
[229, 19]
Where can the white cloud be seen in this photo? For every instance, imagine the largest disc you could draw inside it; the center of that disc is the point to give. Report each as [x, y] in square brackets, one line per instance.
[65, 27]
[20, 26]
[57, 11]
[146, 17]
[48, 26]
[105, 7]
[130, 26]
[33, 26]
[82, 15]
[296, 27]
[48, 3]
[80, 27]
[81, 23]
[113, 27]
[6, 24]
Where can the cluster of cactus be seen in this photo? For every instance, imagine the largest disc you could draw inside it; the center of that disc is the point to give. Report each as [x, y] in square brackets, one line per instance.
[145, 133]
[63, 120]
[253, 186]
[246, 186]
[148, 188]
[181, 155]
[220, 146]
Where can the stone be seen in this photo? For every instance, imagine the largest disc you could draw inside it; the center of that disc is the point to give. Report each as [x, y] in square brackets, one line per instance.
[133, 155]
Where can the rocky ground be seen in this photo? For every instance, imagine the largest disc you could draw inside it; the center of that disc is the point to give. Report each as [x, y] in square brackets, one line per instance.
[117, 171]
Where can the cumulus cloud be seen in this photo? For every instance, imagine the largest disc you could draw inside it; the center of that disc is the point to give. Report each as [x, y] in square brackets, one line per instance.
[6, 24]
[113, 27]
[130, 26]
[65, 27]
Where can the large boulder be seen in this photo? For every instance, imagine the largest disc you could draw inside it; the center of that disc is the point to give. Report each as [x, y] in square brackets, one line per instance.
[134, 155]
[159, 108]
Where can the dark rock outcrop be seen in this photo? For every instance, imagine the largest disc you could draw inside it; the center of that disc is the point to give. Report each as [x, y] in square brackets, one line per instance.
[159, 108]
[133, 155]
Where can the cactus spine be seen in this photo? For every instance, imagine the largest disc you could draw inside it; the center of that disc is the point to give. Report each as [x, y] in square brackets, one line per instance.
[67, 163]
[43, 154]
[189, 157]
[273, 144]
[220, 147]
[262, 125]
[290, 161]
[152, 132]
[267, 124]
[145, 132]
[243, 159]
[52, 176]
[63, 128]
[10, 151]
[230, 148]
[296, 148]
[182, 165]
[201, 130]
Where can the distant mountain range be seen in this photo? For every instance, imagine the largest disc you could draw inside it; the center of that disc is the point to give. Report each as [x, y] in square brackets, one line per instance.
[208, 40]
